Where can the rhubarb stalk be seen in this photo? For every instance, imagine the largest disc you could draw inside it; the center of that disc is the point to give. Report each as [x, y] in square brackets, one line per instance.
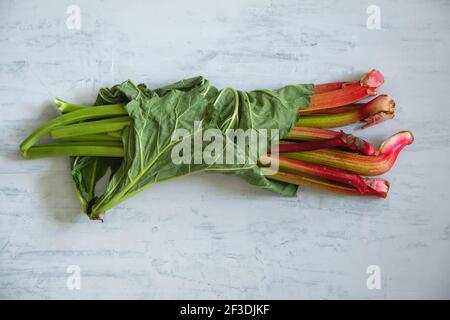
[377, 187]
[102, 149]
[374, 165]
[321, 138]
[378, 184]
[69, 118]
[327, 87]
[348, 94]
[90, 127]
[373, 112]
[66, 107]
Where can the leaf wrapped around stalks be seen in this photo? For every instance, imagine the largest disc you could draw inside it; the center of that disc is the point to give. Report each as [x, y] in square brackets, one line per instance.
[127, 137]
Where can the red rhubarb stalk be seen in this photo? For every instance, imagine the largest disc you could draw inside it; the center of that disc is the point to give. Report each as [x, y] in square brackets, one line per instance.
[326, 87]
[378, 110]
[321, 138]
[349, 94]
[377, 187]
[342, 109]
[346, 141]
[374, 165]
[380, 185]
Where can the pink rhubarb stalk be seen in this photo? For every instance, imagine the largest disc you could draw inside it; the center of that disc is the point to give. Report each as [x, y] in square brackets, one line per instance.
[380, 185]
[374, 165]
[373, 112]
[376, 187]
[348, 94]
[321, 138]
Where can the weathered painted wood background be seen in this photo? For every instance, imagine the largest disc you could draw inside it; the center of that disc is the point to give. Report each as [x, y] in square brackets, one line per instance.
[211, 236]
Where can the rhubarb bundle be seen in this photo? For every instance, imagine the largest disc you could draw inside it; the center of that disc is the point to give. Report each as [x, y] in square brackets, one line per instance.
[131, 135]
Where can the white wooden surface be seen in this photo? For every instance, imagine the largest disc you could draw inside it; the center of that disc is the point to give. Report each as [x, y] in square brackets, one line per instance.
[211, 236]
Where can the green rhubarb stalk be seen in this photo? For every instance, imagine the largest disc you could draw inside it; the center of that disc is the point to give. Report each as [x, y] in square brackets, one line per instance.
[329, 121]
[103, 149]
[66, 107]
[69, 118]
[92, 137]
[115, 134]
[91, 127]
[373, 112]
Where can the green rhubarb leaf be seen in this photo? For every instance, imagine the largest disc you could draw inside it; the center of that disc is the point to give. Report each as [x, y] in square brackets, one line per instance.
[86, 172]
[156, 115]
